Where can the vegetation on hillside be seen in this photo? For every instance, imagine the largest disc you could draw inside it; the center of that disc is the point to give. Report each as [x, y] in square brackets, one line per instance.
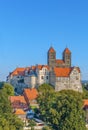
[8, 120]
[85, 91]
[61, 110]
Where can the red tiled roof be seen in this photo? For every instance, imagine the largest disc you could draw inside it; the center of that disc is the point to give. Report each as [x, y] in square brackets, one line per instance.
[31, 94]
[41, 66]
[17, 98]
[67, 51]
[59, 61]
[85, 102]
[18, 71]
[33, 67]
[62, 72]
[51, 49]
[21, 71]
[20, 112]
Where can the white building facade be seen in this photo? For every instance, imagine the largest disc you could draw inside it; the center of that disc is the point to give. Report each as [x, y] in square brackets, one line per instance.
[33, 77]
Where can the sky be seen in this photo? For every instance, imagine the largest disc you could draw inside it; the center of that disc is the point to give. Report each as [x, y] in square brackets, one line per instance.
[29, 27]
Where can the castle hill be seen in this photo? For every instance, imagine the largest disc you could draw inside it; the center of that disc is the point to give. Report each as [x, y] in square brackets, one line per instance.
[43, 97]
[43, 65]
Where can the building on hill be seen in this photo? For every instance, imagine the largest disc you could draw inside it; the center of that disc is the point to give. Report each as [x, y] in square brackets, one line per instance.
[31, 77]
[57, 72]
[18, 102]
[85, 107]
[64, 62]
[21, 114]
[30, 96]
[66, 78]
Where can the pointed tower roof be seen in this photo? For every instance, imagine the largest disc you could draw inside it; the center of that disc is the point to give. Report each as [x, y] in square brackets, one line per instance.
[51, 49]
[67, 51]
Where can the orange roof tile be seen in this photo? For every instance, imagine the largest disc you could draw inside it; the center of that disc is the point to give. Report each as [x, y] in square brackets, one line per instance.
[17, 98]
[18, 71]
[33, 67]
[31, 94]
[20, 112]
[59, 61]
[51, 49]
[41, 66]
[85, 102]
[67, 51]
[62, 72]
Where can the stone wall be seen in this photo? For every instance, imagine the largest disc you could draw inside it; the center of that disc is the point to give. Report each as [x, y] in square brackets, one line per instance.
[72, 82]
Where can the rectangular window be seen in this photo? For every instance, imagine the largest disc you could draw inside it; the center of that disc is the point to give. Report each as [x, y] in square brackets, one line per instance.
[46, 77]
[42, 77]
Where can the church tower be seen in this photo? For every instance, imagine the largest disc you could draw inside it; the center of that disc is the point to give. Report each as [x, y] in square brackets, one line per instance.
[51, 57]
[67, 57]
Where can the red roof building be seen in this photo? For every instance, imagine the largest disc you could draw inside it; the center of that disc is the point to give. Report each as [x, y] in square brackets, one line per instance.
[85, 103]
[21, 114]
[18, 102]
[57, 72]
[30, 95]
[62, 72]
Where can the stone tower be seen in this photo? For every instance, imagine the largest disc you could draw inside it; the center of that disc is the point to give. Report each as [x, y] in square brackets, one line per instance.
[67, 57]
[51, 59]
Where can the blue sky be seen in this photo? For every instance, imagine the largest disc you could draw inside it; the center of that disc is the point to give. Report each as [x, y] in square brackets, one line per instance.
[29, 27]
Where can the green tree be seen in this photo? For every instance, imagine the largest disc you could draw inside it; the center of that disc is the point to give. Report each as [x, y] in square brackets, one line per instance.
[7, 119]
[62, 110]
[31, 123]
[67, 113]
[85, 92]
[47, 128]
[46, 93]
[44, 88]
[8, 88]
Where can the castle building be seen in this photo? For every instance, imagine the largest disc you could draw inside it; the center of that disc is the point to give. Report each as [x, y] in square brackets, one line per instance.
[30, 77]
[64, 62]
[58, 72]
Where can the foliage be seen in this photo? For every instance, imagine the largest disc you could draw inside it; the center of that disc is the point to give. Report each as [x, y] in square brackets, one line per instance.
[62, 110]
[44, 88]
[46, 93]
[8, 88]
[67, 111]
[85, 92]
[31, 123]
[8, 121]
[47, 128]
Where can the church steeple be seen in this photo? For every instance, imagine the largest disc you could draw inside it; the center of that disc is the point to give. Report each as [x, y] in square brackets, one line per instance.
[67, 51]
[51, 57]
[51, 49]
[67, 57]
